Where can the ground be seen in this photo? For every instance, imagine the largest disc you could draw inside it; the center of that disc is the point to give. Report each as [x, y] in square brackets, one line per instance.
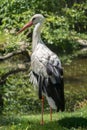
[61, 121]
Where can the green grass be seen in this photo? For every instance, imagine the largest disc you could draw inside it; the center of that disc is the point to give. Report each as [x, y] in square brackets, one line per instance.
[61, 121]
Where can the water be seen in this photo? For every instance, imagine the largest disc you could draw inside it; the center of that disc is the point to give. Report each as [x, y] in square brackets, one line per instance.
[75, 75]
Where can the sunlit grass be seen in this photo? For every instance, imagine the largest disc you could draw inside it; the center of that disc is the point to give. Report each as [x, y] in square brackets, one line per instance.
[61, 121]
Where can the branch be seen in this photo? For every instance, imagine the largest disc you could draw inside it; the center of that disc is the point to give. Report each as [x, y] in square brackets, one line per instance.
[21, 68]
[23, 52]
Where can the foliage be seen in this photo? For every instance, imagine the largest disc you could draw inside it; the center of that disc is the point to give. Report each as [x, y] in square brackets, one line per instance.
[19, 96]
[75, 100]
[62, 26]
[10, 42]
[77, 18]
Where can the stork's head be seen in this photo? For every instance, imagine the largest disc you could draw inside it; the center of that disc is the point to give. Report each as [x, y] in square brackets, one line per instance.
[37, 18]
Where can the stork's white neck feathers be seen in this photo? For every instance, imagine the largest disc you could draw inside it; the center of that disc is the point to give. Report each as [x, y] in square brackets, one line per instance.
[37, 35]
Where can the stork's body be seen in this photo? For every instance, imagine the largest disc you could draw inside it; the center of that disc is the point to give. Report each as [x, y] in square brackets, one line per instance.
[46, 71]
[47, 75]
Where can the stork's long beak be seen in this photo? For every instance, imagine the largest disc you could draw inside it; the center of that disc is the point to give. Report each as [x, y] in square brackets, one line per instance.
[26, 26]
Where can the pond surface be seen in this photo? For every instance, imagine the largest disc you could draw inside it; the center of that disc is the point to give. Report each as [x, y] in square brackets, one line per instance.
[75, 75]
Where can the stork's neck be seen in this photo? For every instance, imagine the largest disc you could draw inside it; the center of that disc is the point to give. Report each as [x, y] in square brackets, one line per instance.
[36, 36]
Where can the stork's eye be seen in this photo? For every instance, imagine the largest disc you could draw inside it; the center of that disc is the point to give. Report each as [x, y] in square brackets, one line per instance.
[33, 19]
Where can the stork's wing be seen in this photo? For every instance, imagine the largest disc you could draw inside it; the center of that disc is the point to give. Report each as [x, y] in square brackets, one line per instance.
[42, 59]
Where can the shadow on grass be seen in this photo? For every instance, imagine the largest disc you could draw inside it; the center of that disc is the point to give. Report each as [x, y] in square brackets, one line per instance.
[74, 122]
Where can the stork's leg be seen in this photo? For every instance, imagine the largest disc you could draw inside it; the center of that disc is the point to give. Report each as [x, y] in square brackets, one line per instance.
[42, 120]
[50, 114]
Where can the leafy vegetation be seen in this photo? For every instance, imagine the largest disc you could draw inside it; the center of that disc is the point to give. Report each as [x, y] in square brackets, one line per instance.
[63, 24]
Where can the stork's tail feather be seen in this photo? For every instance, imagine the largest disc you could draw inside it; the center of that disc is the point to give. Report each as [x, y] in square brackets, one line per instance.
[55, 88]
[53, 91]
[56, 92]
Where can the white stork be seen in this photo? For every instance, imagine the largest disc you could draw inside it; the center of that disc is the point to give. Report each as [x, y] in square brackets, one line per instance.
[47, 72]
